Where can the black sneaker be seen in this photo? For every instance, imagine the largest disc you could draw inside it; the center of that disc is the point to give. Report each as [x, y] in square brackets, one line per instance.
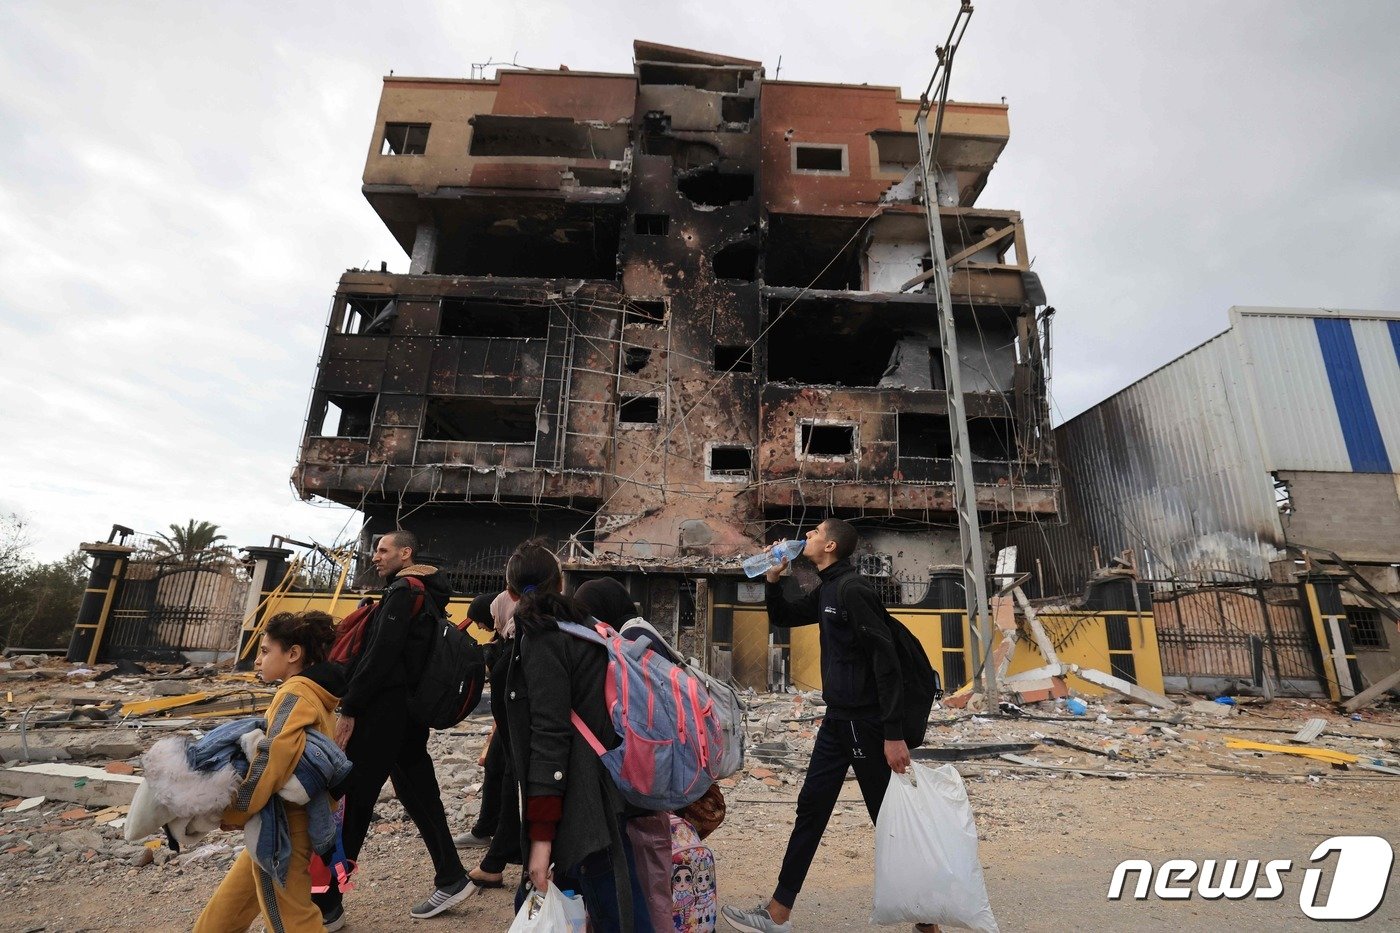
[333, 919]
[441, 899]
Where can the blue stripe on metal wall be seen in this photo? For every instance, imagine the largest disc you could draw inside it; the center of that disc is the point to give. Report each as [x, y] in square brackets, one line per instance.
[1362, 433]
[1395, 338]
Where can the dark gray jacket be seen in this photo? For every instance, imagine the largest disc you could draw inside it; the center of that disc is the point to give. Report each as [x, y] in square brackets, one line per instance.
[550, 675]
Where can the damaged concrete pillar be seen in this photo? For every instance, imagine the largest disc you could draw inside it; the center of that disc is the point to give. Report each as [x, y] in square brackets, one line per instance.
[108, 562]
[269, 567]
[425, 245]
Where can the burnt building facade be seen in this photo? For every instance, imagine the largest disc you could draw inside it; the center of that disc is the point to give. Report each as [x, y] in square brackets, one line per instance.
[662, 317]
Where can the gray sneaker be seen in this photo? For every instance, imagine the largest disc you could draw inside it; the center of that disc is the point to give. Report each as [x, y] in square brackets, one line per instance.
[754, 920]
[441, 899]
[471, 840]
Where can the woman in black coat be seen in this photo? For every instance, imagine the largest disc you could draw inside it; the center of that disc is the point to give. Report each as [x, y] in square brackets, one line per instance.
[573, 815]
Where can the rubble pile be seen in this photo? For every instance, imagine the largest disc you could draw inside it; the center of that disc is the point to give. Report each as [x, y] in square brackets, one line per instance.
[71, 739]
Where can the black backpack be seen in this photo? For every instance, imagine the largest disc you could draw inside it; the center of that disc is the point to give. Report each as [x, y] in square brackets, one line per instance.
[454, 674]
[919, 678]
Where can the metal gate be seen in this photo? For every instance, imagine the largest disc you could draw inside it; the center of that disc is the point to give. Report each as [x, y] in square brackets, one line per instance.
[484, 573]
[168, 607]
[1254, 633]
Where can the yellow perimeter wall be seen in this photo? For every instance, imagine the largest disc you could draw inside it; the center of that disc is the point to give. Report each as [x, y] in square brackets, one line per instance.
[1085, 644]
[1084, 640]
[342, 607]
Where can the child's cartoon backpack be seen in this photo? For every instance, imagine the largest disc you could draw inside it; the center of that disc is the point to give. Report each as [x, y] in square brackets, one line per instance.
[694, 894]
[672, 739]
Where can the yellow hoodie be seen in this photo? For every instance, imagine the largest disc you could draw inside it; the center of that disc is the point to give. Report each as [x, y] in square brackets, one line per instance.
[299, 704]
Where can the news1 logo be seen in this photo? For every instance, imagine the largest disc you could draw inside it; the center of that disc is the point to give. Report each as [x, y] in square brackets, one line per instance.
[1358, 882]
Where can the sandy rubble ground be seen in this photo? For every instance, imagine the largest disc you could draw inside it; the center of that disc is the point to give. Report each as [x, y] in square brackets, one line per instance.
[1049, 840]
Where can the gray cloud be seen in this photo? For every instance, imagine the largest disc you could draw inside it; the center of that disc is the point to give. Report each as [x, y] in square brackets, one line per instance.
[179, 192]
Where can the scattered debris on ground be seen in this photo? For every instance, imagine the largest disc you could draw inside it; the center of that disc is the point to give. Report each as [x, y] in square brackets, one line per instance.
[83, 730]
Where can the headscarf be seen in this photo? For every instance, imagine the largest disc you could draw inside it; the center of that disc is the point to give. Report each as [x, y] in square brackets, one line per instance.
[503, 614]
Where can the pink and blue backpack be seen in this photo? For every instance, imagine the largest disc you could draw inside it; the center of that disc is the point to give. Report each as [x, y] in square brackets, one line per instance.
[672, 740]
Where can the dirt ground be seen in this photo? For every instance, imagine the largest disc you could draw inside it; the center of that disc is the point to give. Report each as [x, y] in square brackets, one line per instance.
[1047, 868]
[1157, 785]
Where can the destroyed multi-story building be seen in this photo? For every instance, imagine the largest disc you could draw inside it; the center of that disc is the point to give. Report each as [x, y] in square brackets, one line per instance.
[662, 317]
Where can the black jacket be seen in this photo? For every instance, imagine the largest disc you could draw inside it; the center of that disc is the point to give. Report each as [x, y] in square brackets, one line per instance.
[550, 675]
[396, 641]
[860, 669]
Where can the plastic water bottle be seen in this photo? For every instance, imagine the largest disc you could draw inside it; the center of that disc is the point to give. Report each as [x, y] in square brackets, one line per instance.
[766, 559]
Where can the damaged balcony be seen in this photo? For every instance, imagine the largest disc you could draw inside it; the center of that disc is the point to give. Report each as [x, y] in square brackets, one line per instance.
[854, 406]
[524, 175]
[884, 340]
[461, 380]
[888, 452]
[681, 91]
[988, 260]
[671, 66]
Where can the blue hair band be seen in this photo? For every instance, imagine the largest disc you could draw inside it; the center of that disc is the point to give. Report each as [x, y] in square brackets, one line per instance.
[528, 589]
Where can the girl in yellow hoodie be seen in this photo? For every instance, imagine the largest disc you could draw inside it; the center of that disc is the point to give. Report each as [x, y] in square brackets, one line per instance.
[293, 650]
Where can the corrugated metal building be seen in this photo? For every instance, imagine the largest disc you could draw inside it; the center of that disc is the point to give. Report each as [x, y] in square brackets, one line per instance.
[1284, 428]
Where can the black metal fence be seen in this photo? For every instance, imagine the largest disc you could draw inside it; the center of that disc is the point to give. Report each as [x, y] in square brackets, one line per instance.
[167, 606]
[1243, 631]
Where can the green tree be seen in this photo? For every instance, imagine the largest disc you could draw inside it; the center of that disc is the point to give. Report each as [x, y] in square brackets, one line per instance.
[38, 601]
[190, 541]
[47, 605]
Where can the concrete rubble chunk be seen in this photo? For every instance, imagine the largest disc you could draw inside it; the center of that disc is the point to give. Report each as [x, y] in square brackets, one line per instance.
[71, 783]
[1211, 708]
[79, 840]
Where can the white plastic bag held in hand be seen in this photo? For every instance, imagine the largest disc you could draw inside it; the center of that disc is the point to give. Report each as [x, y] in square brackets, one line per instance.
[926, 864]
[553, 912]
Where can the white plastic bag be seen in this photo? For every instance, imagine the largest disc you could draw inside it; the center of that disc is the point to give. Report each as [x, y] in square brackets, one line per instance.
[552, 912]
[926, 864]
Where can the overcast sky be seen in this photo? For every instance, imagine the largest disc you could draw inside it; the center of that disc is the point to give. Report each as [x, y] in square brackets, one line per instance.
[179, 193]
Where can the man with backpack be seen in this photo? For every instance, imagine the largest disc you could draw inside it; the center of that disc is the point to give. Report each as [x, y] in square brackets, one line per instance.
[381, 736]
[867, 720]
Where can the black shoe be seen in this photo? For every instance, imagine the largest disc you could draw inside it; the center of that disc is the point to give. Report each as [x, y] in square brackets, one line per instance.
[334, 918]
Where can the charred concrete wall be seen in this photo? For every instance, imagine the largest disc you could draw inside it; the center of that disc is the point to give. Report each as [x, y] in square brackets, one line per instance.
[670, 314]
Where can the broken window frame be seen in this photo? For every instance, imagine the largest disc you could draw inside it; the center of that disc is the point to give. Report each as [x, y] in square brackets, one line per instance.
[516, 401]
[452, 307]
[354, 316]
[539, 137]
[727, 475]
[711, 179]
[407, 144]
[1283, 494]
[321, 414]
[723, 262]
[624, 399]
[651, 222]
[640, 316]
[845, 168]
[813, 423]
[729, 101]
[738, 359]
[941, 435]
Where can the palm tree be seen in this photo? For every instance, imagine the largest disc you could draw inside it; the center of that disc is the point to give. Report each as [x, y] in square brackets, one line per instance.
[189, 542]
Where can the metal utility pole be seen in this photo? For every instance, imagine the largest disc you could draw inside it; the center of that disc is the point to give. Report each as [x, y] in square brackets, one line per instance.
[969, 528]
